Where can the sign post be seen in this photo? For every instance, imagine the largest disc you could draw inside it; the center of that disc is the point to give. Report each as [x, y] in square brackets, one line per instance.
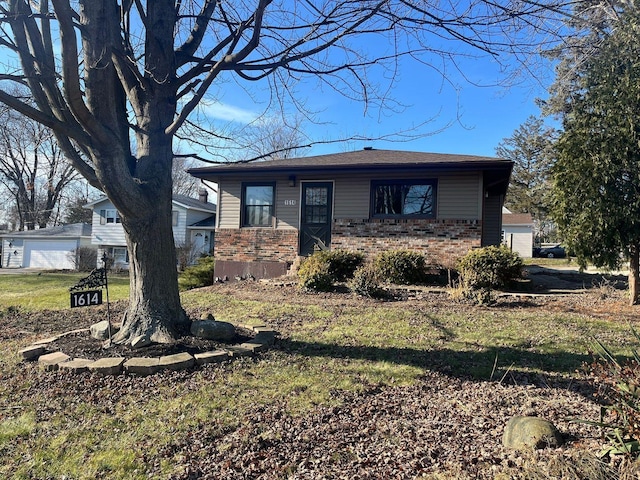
[84, 293]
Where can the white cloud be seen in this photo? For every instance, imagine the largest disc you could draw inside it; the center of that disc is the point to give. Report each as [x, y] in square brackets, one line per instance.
[230, 113]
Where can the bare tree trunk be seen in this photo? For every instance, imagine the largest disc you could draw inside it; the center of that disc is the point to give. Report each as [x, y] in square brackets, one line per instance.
[634, 273]
[154, 302]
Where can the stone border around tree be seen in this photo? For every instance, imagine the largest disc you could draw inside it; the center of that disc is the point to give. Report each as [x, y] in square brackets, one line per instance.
[52, 361]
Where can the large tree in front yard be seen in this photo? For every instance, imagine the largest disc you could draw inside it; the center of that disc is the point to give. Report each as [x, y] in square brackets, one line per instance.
[597, 171]
[117, 80]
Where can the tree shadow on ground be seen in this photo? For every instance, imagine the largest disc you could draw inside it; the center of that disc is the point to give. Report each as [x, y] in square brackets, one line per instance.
[507, 365]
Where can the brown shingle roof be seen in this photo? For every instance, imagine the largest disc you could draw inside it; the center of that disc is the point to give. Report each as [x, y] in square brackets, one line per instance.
[517, 219]
[369, 158]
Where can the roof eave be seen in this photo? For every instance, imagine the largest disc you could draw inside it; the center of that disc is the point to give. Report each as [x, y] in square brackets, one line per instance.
[216, 172]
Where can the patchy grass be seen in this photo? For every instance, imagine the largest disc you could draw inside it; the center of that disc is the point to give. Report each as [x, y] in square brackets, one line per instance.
[54, 425]
[37, 291]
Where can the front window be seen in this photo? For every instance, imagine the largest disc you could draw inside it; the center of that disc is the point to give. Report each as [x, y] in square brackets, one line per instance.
[118, 255]
[257, 205]
[109, 217]
[403, 198]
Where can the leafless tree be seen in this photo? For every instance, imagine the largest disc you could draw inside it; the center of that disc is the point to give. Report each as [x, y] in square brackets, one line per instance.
[33, 170]
[117, 80]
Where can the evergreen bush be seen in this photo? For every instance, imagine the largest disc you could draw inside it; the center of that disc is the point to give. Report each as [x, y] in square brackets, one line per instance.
[314, 273]
[198, 275]
[485, 269]
[404, 267]
[365, 282]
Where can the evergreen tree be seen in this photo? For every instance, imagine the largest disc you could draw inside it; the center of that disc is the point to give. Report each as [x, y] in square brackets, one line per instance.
[596, 191]
[531, 149]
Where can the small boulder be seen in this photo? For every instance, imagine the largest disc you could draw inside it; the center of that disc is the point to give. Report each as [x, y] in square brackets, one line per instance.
[525, 433]
[100, 330]
[213, 330]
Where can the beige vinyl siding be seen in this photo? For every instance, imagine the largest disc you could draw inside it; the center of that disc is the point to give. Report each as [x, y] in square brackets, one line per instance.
[287, 209]
[229, 203]
[287, 202]
[351, 198]
[459, 197]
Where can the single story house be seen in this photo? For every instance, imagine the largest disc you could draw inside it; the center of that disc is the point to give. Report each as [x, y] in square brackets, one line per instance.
[517, 232]
[193, 228]
[52, 248]
[272, 212]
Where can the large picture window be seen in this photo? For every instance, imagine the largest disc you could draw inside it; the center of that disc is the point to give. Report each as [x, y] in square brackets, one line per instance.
[257, 205]
[403, 198]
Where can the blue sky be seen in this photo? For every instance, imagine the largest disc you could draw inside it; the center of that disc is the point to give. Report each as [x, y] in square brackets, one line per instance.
[469, 116]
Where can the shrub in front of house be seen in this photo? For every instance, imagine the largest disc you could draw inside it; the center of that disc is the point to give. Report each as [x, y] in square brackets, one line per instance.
[198, 275]
[342, 263]
[366, 282]
[322, 269]
[405, 267]
[485, 269]
[314, 273]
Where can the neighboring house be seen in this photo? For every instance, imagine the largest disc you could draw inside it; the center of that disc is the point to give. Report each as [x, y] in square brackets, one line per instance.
[52, 248]
[517, 232]
[193, 228]
[272, 212]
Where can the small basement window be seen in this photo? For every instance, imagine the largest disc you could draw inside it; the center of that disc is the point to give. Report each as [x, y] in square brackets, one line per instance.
[403, 198]
[258, 204]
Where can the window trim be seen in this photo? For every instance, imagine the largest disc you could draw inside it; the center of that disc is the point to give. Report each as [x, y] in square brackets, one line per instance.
[243, 205]
[421, 181]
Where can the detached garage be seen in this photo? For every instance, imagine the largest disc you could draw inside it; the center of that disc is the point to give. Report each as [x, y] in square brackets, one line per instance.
[48, 248]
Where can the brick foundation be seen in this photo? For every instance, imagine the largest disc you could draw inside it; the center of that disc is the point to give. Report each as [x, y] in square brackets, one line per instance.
[251, 244]
[441, 241]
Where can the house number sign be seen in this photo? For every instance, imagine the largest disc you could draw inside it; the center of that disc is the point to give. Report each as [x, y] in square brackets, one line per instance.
[289, 203]
[86, 298]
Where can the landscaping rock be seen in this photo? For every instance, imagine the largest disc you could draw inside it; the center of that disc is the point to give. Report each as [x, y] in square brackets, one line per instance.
[179, 361]
[142, 365]
[213, 330]
[107, 366]
[254, 346]
[46, 341]
[525, 433]
[100, 330]
[50, 361]
[264, 335]
[239, 351]
[77, 365]
[215, 356]
[31, 352]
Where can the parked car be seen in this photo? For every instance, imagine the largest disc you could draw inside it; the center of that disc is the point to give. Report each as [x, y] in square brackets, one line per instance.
[555, 251]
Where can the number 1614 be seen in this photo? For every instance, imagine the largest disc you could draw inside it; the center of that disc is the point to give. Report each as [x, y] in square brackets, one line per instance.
[87, 298]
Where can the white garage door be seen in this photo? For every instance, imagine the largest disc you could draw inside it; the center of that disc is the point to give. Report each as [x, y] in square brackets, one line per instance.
[53, 254]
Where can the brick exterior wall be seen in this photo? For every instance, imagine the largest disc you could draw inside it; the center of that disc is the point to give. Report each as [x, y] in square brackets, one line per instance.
[256, 244]
[442, 241]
